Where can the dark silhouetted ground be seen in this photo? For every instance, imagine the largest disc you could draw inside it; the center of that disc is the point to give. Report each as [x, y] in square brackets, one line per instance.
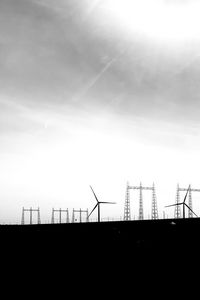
[116, 253]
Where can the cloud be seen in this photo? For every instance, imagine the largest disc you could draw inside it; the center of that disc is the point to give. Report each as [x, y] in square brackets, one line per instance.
[45, 53]
[53, 54]
[53, 58]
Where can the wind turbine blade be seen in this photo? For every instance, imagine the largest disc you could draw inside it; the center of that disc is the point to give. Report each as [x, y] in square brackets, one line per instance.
[93, 210]
[107, 202]
[173, 204]
[186, 193]
[190, 209]
[94, 194]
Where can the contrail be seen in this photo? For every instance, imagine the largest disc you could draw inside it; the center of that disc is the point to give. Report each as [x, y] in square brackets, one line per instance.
[98, 76]
[95, 79]
[92, 6]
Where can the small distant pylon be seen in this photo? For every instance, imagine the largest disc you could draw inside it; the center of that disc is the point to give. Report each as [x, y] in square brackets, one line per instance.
[39, 219]
[141, 216]
[73, 216]
[22, 221]
[30, 211]
[177, 212]
[80, 212]
[60, 211]
[127, 210]
[154, 212]
[67, 216]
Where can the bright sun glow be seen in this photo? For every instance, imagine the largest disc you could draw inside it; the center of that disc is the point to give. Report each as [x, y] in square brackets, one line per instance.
[157, 19]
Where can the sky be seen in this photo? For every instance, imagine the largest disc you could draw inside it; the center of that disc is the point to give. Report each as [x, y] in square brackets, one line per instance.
[98, 92]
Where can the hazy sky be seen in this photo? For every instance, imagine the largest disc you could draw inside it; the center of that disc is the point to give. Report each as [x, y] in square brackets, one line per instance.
[97, 92]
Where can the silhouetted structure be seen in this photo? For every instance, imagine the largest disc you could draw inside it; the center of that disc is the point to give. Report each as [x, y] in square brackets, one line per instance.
[177, 211]
[98, 205]
[190, 214]
[80, 212]
[184, 204]
[30, 211]
[154, 208]
[60, 211]
[127, 210]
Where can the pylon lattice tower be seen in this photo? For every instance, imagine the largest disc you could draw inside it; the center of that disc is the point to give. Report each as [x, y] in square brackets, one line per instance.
[80, 212]
[60, 211]
[177, 211]
[30, 211]
[127, 210]
[154, 212]
[190, 215]
[141, 213]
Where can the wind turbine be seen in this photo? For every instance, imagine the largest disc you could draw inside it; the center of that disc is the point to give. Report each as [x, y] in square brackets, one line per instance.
[184, 204]
[98, 205]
